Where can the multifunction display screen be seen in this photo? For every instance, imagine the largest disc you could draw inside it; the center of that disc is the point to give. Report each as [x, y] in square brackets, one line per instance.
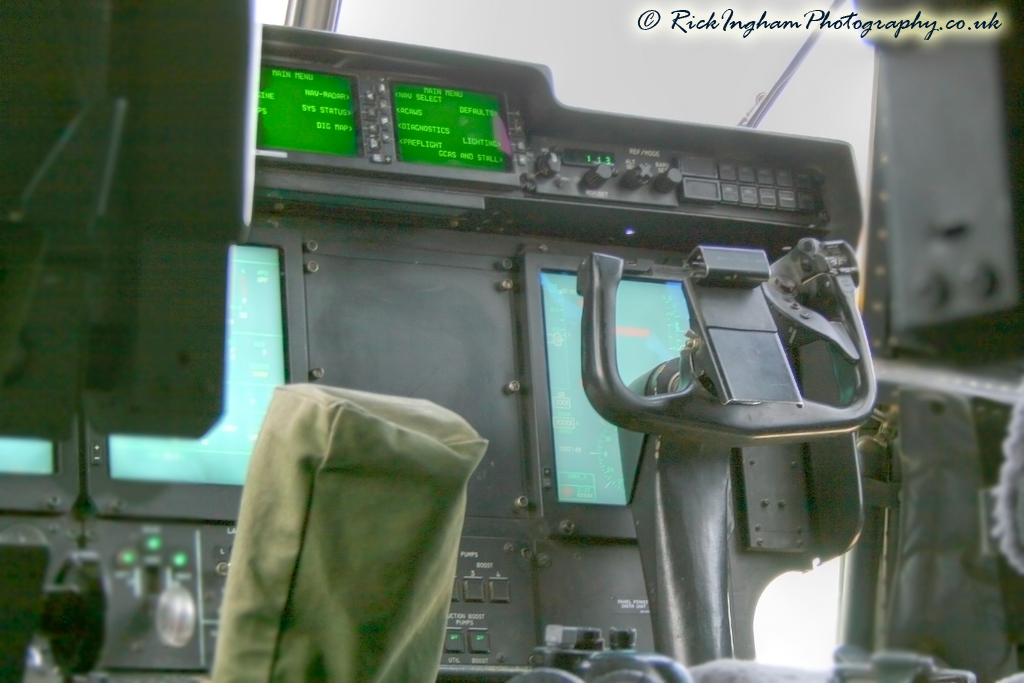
[255, 364]
[652, 320]
[304, 111]
[450, 127]
[26, 456]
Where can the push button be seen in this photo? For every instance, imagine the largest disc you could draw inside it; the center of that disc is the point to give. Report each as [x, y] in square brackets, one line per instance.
[499, 590]
[727, 172]
[479, 641]
[767, 195]
[748, 194]
[765, 176]
[453, 641]
[784, 178]
[805, 200]
[455, 591]
[473, 590]
[747, 174]
[730, 193]
[787, 199]
[701, 190]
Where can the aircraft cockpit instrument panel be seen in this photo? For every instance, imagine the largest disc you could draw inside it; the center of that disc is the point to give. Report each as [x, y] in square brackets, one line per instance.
[419, 216]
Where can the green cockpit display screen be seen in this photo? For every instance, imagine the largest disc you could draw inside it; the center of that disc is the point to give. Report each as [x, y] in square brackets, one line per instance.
[303, 111]
[651, 325]
[448, 127]
[26, 456]
[254, 366]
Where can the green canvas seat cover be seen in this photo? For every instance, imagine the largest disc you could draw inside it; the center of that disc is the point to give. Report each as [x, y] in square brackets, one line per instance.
[347, 540]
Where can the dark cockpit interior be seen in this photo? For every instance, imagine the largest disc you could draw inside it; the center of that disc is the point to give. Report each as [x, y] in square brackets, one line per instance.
[697, 362]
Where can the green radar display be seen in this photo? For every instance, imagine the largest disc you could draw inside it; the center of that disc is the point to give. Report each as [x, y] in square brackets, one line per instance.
[449, 127]
[303, 111]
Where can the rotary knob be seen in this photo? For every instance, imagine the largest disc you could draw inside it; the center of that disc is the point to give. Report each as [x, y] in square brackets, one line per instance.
[667, 181]
[597, 176]
[640, 174]
[548, 164]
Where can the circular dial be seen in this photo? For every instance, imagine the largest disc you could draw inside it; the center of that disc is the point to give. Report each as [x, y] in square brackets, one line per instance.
[641, 174]
[597, 176]
[548, 164]
[667, 181]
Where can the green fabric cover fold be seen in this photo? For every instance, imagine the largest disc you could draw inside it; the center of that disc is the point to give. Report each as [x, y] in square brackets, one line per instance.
[347, 540]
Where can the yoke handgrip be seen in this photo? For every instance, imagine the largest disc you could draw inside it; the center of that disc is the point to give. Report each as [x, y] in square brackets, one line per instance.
[693, 410]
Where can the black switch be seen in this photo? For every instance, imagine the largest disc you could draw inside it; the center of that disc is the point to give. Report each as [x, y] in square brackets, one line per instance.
[805, 201]
[455, 591]
[453, 641]
[479, 641]
[499, 590]
[473, 589]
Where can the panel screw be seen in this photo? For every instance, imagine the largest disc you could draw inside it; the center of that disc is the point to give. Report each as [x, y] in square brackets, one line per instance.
[222, 568]
[527, 553]
[752, 462]
[506, 264]
[501, 657]
[505, 285]
[543, 248]
[53, 502]
[543, 560]
[312, 267]
[765, 502]
[567, 526]
[512, 387]
[757, 527]
[522, 502]
[782, 504]
[509, 547]
[316, 373]
[760, 542]
[311, 245]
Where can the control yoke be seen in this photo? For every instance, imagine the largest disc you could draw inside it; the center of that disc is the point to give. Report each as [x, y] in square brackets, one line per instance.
[736, 383]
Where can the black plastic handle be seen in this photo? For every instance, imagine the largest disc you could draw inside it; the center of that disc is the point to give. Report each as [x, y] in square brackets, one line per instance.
[693, 410]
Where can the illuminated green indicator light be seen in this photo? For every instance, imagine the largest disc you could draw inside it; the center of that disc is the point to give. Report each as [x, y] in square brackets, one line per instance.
[454, 636]
[128, 557]
[154, 543]
[179, 559]
[479, 637]
[448, 127]
[306, 112]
